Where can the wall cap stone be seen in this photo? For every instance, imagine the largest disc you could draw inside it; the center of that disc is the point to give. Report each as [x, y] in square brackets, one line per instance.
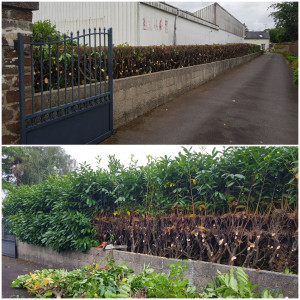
[22, 5]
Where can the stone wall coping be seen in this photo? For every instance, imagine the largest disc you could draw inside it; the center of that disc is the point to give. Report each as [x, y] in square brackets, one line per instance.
[22, 5]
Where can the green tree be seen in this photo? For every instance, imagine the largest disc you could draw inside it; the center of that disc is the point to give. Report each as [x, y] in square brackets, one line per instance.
[277, 35]
[31, 165]
[286, 19]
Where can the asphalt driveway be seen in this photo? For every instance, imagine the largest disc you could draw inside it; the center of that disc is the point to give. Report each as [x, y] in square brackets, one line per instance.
[11, 269]
[256, 103]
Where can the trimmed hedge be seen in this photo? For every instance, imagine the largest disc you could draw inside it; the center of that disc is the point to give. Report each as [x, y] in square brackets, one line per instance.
[267, 242]
[127, 61]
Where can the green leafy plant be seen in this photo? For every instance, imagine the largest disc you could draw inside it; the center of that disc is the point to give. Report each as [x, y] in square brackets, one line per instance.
[239, 286]
[111, 281]
[118, 281]
[295, 77]
[43, 29]
[287, 271]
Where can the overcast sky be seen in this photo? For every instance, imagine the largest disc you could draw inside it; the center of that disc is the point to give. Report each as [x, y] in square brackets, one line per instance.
[88, 153]
[254, 14]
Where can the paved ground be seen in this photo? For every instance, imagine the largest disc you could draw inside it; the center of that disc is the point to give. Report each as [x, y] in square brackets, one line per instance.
[11, 269]
[256, 103]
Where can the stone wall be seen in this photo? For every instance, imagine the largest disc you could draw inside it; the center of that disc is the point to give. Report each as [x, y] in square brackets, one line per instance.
[200, 273]
[16, 18]
[137, 95]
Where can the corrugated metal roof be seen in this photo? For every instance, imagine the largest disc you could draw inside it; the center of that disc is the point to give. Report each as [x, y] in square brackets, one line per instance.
[256, 35]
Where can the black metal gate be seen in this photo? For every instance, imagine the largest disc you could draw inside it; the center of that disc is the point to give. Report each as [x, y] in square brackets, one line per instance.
[71, 95]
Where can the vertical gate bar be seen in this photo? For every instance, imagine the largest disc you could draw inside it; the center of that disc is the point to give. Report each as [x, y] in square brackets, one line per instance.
[65, 56]
[50, 92]
[110, 77]
[57, 64]
[32, 74]
[78, 64]
[20, 43]
[105, 85]
[100, 58]
[42, 75]
[84, 63]
[95, 64]
[72, 70]
[90, 61]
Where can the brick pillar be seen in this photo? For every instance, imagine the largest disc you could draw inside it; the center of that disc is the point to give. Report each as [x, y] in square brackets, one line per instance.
[16, 17]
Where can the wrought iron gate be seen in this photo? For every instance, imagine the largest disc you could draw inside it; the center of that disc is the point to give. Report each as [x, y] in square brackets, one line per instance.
[71, 95]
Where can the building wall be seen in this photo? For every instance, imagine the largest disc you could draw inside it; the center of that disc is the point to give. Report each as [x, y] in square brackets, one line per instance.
[207, 13]
[229, 23]
[72, 16]
[156, 26]
[216, 14]
[259, 42]
[135, 23]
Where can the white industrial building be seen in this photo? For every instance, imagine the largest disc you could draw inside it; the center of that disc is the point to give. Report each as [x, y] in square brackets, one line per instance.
[145, 23]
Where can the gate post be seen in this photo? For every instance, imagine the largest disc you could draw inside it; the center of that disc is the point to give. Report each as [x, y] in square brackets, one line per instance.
[16, 17]
[110, 78]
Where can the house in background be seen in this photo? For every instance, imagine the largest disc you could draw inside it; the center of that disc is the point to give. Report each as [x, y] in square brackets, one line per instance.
[261, 38]
[145, 23]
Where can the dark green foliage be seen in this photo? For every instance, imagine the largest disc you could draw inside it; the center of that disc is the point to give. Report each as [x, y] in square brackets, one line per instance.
[55, 213]
[44, 29]
[286, 20]
[277, 35]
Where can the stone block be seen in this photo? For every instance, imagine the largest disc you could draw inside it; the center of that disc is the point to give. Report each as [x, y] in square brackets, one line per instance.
[12, 96]
[18, 14]
[14, 128]
[8, 139]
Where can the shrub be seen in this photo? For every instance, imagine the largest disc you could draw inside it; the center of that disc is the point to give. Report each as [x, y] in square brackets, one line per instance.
[44, 29]
[279, 46]
[295, 76]
[293, 60]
